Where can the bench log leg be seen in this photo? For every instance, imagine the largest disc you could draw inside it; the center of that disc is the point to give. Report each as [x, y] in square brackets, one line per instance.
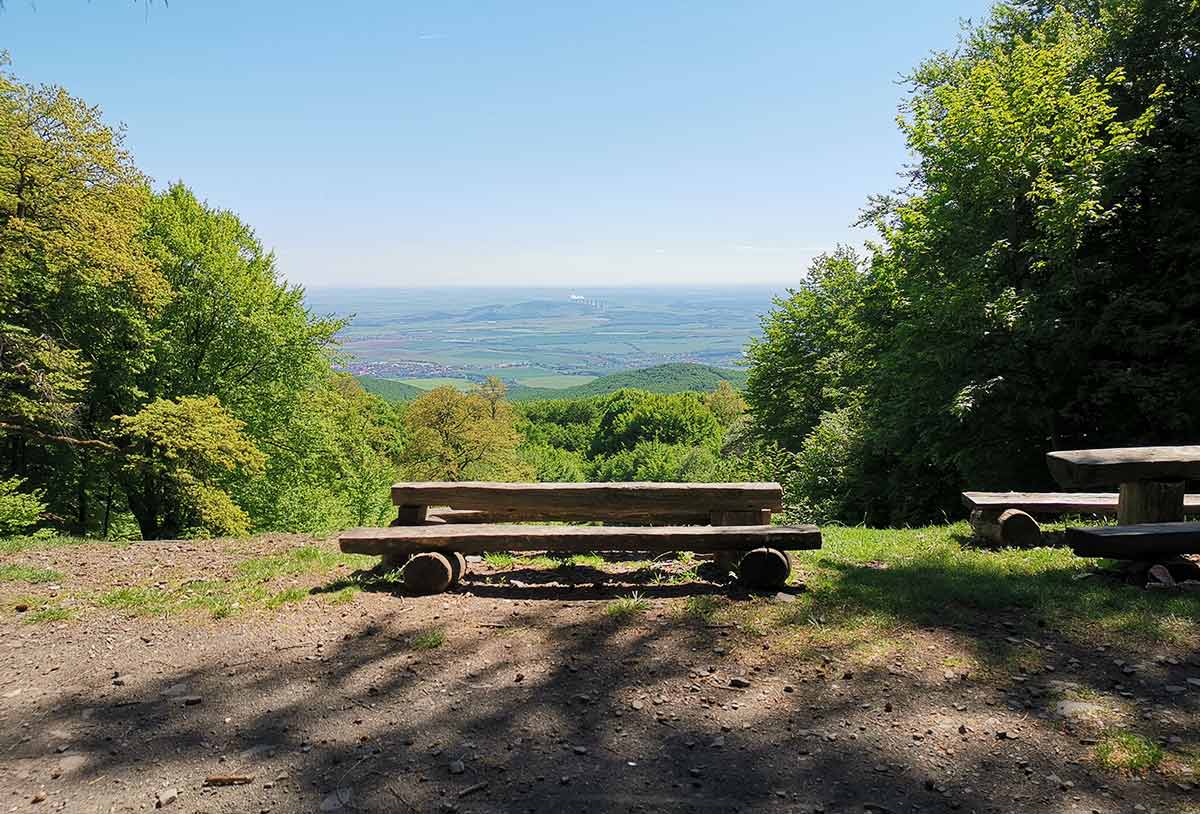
[1011, 527]
[765, 568]
[428, 573]
[458, 567]
[1150, 501]
[727, 561]
[411, 516]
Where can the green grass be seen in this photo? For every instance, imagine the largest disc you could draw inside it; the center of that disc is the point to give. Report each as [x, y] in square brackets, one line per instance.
[28, 573]
[503, 560]
[16, 545]
[251, 589]
[627, 607]
[50, 613]
[1128, 752]
[429, 639]
[703, 608]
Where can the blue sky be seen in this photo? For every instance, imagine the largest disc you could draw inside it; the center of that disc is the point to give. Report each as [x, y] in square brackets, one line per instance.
[417, 143]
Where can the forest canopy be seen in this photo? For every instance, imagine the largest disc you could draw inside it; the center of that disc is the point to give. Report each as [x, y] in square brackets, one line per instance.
[1037, 281]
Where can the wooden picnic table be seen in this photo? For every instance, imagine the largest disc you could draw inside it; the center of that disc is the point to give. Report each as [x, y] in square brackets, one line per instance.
[1152, 480]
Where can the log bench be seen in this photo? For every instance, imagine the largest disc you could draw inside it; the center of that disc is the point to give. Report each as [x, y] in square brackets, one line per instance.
[1009, 518]
[437, 524]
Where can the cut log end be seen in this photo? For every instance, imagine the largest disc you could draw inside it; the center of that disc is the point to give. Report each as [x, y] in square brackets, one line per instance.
[1011, 528]
[765, 568]
[428, 573]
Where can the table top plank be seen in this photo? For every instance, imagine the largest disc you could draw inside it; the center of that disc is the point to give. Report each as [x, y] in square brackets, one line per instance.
[1057, 502]
[1089, 468]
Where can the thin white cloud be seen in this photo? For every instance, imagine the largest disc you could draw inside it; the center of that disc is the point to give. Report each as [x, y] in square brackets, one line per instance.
[431, 36]
[745, 247]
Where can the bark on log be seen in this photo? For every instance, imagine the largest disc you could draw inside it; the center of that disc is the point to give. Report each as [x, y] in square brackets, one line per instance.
[1150, 501]
[1012, 528]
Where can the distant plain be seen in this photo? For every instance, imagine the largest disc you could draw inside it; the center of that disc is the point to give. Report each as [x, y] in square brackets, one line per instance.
[543, 338]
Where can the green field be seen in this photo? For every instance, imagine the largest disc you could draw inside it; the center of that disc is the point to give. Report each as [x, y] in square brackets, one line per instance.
[541, 339]
[555, 381]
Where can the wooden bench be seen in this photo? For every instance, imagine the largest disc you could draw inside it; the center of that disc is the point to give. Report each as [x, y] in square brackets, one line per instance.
[729, 520]
[1141, 541]
[1008, 518]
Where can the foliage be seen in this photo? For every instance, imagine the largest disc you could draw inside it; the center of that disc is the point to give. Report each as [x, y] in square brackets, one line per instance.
[552, 464]
[629, 417]
[1034, 288]
[389, 389]
[1128, 751]
[180, 452]
[459, 436]
[152, 361]
[658, 461]
[726, 405]
[18, 510]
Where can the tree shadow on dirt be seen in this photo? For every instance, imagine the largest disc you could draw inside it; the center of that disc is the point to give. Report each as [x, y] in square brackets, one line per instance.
[555, 711]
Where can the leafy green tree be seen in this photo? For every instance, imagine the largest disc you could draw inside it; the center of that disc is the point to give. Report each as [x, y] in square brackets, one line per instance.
[1032, 290]
[453, 436]
[658, 461]
[629, 417]
[726, 405]
[180, 453]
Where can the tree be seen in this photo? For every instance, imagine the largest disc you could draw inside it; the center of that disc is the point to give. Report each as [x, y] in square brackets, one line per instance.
[628, 417]
[493, 391]
[1034, 289]
[726, 405]
[180, 452]
[454, 436]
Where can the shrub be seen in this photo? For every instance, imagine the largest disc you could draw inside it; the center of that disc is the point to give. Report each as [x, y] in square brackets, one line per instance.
[19, 510]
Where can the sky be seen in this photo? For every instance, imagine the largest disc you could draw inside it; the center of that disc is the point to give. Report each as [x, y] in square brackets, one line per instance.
[383, 143]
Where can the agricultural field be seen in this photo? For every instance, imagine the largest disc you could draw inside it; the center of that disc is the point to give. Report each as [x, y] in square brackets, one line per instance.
[538, 338]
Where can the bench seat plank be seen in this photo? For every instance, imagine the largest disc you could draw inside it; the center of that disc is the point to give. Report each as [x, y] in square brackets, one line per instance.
[1087, 468]
[478, 539]
[1056, 502]
[593, 501]
[1135, 542]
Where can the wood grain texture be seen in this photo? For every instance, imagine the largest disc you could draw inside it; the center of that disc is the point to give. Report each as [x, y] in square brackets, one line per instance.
[1138, 542]
[593, 501]
[626, 516]
[468, 539]
[1088, 468]
[1150, 501]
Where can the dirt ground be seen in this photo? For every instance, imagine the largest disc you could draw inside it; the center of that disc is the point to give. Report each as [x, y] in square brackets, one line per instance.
[524, 692]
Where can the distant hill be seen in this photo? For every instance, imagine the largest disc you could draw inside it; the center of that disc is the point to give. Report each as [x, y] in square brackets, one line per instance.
[389, 389]
[678, 377]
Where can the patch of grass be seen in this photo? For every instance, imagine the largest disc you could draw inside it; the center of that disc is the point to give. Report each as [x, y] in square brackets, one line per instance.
[50, 613]
[1128, 752]
[504, 560]
[15, 545]
[136, 600]
[585, 560]
[303, 560]
[627, 607]
[703, 607]
[344, 596]
[430, 639]
[286, 597]
[28, 573]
